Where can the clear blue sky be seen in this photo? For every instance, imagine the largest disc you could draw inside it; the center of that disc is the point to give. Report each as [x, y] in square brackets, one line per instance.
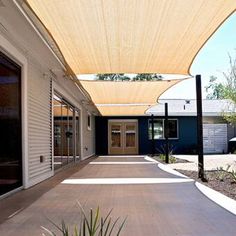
[212, 60]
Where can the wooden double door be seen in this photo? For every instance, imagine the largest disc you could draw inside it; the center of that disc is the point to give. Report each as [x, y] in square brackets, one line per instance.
[122, 137]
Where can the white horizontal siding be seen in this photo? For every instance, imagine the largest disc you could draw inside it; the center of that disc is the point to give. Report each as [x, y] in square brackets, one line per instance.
[39, 124]
[88, 145]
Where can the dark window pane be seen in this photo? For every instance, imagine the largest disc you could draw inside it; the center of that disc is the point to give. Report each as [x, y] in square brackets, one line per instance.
[89, 122]
[10, 125]
[159, 129]
[173, 129]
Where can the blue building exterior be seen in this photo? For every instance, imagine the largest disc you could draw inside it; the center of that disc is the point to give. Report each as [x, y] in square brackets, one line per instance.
[185, 143]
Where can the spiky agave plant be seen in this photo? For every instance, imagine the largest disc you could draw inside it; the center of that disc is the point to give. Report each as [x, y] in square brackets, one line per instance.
[91, 225]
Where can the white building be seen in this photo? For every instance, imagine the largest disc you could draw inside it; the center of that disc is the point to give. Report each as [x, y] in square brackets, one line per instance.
[37, 98]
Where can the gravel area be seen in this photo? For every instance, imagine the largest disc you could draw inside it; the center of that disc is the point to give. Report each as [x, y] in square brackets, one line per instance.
[177, 160]
[217, 180]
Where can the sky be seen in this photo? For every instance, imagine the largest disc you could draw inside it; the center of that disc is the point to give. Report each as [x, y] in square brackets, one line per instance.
[212, 59]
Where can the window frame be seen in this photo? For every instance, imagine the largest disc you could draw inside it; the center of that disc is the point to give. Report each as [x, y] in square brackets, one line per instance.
[163, 127]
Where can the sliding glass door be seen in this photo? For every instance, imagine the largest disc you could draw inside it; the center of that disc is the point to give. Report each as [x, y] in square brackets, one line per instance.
[66, 134]
[10, 125]
[77, 134]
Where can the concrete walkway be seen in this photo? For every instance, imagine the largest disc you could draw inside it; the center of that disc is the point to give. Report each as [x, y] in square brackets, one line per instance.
[155, 201]
[211, 162]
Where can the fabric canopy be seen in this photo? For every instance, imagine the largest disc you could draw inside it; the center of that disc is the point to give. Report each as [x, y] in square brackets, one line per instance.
[131, 36]
[131, 110]
[124, 97]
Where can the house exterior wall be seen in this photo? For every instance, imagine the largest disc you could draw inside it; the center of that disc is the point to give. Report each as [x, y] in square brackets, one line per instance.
[231, 128]
[42, 75]
[88, 135]
[66, 88]
[186, 142]
[39, 95]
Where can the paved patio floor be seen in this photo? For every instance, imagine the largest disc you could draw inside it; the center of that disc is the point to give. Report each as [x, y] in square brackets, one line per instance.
[156, 202]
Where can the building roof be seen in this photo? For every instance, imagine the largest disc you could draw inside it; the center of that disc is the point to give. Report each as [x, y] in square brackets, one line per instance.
[187, 107]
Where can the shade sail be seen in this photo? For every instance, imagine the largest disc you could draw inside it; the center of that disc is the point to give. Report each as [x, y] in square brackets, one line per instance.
[131, 110]
[126, 97]
[131, 36]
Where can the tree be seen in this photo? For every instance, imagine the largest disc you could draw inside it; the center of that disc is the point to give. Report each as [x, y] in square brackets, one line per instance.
[215, 90]
[147, 77]
[123, 77]
[225, 90]
[112, 77]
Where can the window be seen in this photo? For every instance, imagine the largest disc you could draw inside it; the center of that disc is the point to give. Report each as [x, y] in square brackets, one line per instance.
[89, 121]
[10, 125]
[173, 129]
[159, 128]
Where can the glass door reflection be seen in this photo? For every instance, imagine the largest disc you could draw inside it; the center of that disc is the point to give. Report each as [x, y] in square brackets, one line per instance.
[76, 138]
[70, 134]
[58, 131]
[115, 138]
[10, 125]
[130, 135]
[66, 133]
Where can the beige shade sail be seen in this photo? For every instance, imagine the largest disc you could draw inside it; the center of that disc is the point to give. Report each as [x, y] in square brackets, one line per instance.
[125, 92]
[131, 36]
[126, 97]
[130, 110]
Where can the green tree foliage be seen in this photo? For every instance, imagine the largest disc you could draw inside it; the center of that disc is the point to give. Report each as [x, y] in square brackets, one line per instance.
[147, 77]
[225, 89]
[215, 89]
[112, 77]
[123, 77]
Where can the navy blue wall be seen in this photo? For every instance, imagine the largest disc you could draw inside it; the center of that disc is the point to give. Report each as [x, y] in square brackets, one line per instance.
[186, 143]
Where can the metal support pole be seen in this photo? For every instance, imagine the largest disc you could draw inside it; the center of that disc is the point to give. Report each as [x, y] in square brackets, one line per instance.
[199, 129]
[166, 133]
[153, 141]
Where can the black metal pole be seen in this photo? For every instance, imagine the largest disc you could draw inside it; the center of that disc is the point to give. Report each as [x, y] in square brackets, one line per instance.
[199, 128]
[166, 133]
[153, 142]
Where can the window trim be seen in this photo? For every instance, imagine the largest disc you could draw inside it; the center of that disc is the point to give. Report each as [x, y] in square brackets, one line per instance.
[163, 126]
